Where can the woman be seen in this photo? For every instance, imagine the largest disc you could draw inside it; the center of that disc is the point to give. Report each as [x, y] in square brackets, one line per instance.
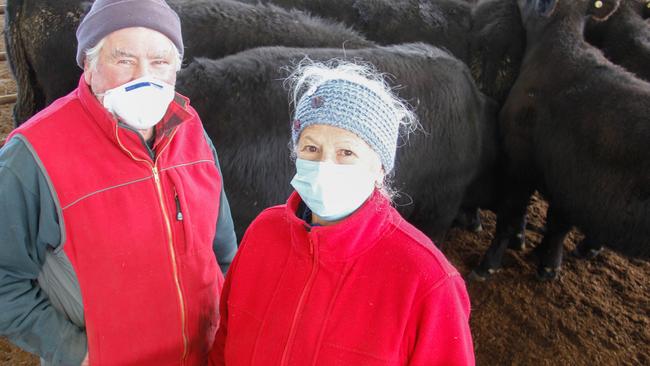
[336, 276]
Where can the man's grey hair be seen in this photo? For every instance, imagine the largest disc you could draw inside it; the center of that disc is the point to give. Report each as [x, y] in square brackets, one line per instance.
[92, 55]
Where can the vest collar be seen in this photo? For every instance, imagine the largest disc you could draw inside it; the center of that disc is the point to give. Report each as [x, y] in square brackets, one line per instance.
[346, 239]
[177, 113]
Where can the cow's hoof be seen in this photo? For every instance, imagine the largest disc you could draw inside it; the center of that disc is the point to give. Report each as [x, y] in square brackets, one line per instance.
[546, 274]
[481, 275]
[473, 226]
[518, 242]
[468, 220]
[586, 253]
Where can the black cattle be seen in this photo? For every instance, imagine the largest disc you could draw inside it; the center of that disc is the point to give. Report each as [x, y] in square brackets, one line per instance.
[41, 43]
[245, 109]
[625, 37]
[442, 23]
[498, 45]
[575, 126]
[498, 41]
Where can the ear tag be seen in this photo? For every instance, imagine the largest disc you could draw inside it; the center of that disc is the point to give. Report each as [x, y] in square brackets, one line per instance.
[598, 4]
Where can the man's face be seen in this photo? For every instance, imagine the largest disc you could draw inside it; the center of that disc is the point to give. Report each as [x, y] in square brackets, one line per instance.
[129, 54]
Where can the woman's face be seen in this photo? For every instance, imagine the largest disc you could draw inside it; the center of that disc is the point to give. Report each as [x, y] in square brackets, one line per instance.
[336, 145]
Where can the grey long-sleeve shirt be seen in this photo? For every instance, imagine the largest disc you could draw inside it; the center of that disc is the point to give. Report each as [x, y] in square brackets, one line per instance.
[30, 233]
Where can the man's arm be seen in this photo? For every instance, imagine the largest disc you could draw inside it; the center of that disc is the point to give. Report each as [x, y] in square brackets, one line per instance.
[29, 228]
[225, 240]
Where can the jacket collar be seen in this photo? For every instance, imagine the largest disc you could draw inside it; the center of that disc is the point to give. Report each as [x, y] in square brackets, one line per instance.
[177, 113]
[346, 239]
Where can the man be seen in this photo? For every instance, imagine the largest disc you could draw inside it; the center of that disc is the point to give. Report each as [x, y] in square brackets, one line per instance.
[108, 204]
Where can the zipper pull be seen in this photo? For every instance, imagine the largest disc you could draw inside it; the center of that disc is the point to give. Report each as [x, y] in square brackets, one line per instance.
[156, 177]
[179, 213]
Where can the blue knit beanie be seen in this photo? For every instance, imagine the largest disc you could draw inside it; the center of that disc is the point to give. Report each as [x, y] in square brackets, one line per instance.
[353, 107]
[108, 16]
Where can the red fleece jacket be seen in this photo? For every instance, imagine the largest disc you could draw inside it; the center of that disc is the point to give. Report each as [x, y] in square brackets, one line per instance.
[370, 290]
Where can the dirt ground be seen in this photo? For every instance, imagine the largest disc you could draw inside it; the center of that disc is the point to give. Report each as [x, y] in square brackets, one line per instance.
[596, 313]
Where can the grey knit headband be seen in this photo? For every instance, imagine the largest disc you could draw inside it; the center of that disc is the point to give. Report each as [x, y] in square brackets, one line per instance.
[353, 107]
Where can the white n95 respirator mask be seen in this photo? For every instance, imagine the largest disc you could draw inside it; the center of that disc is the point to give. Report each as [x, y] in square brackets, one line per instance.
[332, 191]
[140, 103]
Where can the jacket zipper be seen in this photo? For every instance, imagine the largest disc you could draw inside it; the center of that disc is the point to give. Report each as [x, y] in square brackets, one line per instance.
[156, 177]
[301, 303]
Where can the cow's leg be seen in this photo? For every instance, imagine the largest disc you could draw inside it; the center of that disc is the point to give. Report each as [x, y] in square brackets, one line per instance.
[517, 236]
[509, 225]
[587, 249]
[550, 250]
[468, 218]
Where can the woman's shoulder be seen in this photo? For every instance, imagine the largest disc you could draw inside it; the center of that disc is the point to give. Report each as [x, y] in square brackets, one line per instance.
[269, 231]
[269, 218]
[414, 250]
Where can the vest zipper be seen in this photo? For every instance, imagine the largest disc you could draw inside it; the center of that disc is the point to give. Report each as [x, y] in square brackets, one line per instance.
[301, 302]
[181, 301]
[156, 177]
[179, 213]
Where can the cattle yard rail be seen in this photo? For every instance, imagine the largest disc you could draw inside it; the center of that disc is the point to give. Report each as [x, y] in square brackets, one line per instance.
[8, 99]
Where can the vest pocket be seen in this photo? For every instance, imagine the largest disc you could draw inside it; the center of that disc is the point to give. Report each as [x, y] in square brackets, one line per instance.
[178, 220]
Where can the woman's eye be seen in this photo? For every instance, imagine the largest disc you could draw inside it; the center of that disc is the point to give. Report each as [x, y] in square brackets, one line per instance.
[310, 148]
[345, 152]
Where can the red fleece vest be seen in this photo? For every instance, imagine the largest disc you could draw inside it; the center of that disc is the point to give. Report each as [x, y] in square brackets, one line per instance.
[149, 278]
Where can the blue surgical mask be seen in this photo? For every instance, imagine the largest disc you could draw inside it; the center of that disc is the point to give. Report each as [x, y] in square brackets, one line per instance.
[332, 191]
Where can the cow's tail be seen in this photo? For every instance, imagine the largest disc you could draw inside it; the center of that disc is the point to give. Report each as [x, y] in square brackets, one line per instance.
[27, 87]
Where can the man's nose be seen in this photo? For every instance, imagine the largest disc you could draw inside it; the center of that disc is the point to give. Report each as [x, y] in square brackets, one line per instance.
[143, 69]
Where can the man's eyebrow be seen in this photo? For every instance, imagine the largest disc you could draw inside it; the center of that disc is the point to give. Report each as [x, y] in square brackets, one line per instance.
[121, 53]
[159, 54]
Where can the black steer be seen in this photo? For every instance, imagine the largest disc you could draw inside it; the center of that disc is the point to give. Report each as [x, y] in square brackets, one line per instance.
[41, 44]
[498, 41]
[245, 109]
[625, 37]
[442, 23]
[575, 126]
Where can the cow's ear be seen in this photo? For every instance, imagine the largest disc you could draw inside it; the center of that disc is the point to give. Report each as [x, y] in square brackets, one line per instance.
[600, 10]
[545, 8]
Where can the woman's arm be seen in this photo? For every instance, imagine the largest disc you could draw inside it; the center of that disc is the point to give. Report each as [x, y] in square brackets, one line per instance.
[441, 326]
